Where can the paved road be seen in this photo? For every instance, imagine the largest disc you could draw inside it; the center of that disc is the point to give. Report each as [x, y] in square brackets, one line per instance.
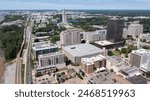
[29, 41]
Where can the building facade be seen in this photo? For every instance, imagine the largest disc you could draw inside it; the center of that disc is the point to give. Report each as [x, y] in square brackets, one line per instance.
[89, 65]
[115, 30]
[50, 60]
[140, 58]
[135, 30]
[40, 48]
[70, 37]
[98, 35]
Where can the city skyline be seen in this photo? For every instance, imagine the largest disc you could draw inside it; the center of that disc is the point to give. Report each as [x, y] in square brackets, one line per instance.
[73, 4]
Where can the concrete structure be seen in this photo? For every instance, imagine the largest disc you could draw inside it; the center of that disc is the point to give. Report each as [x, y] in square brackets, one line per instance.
[107, 44]
[115, 30]
[89, 65]
[135, 30]
[146, 37]
[98, 35]
[140, 58]
[40, 48]
[64, 17]
[76, 52]
[2, 61]
[70, 37]
[125, 33]
[50, 60]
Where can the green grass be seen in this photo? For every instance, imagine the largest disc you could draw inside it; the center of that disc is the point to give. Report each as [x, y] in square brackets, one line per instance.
[116, 53]
[22, 72]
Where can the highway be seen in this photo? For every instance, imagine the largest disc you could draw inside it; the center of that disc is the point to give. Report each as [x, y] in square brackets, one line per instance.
[28, 75]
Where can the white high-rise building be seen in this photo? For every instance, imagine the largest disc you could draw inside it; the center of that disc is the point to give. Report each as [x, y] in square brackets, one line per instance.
[98, 35]
[64, 17]
[70, 37]
[141, 58]
[135, 30]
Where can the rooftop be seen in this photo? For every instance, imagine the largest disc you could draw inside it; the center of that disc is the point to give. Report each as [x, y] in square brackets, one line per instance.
[90, 61]
[103, 43]
[82, 49]
[141, 52]
[43, 45]
[50, 54]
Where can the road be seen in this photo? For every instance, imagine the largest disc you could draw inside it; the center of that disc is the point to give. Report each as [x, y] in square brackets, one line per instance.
[28, 75]
[135, 43]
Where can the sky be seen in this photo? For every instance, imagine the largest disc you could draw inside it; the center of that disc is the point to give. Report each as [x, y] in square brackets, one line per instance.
[73, 4]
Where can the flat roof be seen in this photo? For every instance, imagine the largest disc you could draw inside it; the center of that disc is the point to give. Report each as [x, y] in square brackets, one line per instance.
[50, 54]
[82, 49]
[103, 43]
[43, 45]
[141, 52]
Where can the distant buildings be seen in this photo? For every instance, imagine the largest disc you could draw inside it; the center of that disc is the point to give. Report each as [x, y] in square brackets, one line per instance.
[141, 58]
[47, 61]
[115, 30]
[98, 35]
[2, 61]
[64, 17]
[135, 30]
[89, 65]
[40, 48]
[70, 37]
[76, 52]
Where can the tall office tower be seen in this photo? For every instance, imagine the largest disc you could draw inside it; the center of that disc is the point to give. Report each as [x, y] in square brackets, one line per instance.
[135, 30]
[70, 37]
[140, 58]
[64, 17]
[115, 30]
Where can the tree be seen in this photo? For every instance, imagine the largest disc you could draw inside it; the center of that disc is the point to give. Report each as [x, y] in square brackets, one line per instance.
[124, 50]
[55, 38]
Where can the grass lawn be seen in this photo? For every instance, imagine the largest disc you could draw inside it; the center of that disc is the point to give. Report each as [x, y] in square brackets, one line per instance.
[116, 53]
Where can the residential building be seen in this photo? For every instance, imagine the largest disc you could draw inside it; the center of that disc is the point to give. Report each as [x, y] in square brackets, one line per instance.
[70, 37]
[135, 30]
[140, 58]
[89, 65]
[76, 52]
[98, 35]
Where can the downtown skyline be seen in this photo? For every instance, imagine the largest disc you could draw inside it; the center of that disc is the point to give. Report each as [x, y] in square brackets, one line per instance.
[74, 4]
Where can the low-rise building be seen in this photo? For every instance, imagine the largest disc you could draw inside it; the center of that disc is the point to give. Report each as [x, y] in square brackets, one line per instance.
[89, 65]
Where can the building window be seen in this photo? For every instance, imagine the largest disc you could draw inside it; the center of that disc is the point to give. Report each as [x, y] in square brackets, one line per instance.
[56, 60]
[49, 61]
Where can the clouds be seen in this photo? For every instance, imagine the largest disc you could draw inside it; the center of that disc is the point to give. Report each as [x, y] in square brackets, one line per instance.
[75, 4]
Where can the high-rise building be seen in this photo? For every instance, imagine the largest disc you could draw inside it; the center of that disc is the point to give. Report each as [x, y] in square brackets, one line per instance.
[70, 37]
[64, 17]
[140, 58]
[135, 30]
[115, 30]
[98, 35]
